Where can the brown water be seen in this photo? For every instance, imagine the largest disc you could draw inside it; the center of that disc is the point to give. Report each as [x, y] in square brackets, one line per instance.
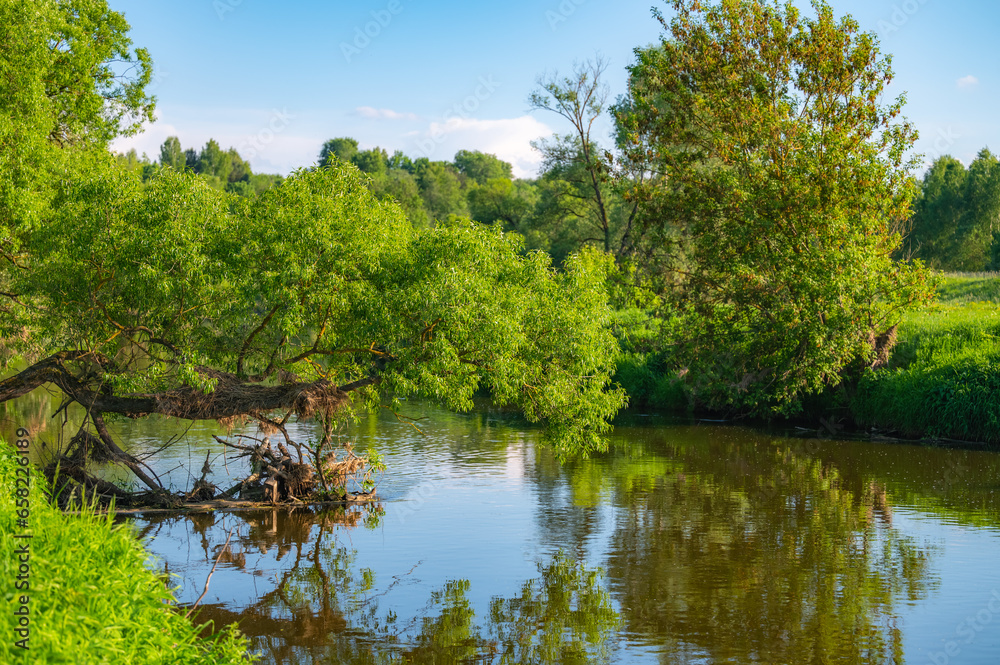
[683, 544]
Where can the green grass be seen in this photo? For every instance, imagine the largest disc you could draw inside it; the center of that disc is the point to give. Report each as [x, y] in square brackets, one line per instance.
[944, 377]
[92, 599]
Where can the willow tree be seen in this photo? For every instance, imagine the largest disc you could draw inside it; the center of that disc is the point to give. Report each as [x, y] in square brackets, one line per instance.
[780, 181]
[171, 298]
[70, 82]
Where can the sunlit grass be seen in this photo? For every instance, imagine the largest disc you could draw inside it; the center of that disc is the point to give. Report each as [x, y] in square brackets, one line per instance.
[91, 597]
[944, 377]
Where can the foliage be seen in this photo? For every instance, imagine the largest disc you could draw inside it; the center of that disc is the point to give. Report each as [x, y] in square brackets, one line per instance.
[171, 297]
[71, 83]
[943, 378]
[580, 202]
[957, 215]
[780, 182]
[91, 592]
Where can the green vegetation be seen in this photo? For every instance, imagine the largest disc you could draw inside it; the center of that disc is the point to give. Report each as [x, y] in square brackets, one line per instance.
[780, 181]
[176, 291]
[221, 169]
[944, 377]
[954, 224]
[90, 592]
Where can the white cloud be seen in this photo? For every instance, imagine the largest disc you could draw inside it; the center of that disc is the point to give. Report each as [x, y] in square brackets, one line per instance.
[383, 114]
[508, 138]
[967, 81]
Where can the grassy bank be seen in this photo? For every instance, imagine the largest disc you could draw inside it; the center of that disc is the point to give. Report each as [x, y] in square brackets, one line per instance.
[91, 598]
[944, 377]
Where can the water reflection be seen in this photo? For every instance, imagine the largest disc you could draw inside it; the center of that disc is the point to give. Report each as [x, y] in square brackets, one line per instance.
[741, 551]
[719, 545]
[316, 603]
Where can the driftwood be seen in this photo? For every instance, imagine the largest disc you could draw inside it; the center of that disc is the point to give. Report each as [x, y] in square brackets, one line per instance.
[82, 377]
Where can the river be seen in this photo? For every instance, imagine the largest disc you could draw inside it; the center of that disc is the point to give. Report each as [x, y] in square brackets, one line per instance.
[684, 543]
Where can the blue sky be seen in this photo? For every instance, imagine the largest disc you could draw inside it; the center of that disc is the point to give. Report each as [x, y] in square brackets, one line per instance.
[275, 80]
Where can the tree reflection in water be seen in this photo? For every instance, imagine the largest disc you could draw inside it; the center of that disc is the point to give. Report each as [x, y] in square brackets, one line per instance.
[728, 550]
[324, 608]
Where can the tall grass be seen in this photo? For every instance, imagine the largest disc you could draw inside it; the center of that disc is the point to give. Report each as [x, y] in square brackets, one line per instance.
[944, 377]
[92, 599]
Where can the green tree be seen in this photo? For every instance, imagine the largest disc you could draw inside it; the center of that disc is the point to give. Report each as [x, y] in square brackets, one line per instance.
[481, 167]
[214, 161]
[503, 201]
[374, 162]
[401, 186]
[343, 149]
[71, 83]
[173, 298]
[981, 220]
[172, 154]
[441, 189]
[938, 209]
[785, 178]
[239, 168]
[577, 168]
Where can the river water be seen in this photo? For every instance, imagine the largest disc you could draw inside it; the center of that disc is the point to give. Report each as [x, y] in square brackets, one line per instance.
[684, 543]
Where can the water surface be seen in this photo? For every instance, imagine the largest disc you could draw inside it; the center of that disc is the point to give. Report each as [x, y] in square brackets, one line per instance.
[684, 543]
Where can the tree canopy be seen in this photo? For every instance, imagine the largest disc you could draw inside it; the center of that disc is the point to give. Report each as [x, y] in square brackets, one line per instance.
[780, 184]
[71, 83]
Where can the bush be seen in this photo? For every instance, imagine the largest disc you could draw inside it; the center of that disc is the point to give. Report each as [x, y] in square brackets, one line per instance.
[91, 597]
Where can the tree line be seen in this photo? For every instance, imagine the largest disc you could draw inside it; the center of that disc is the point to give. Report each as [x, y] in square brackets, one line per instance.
[956, 215]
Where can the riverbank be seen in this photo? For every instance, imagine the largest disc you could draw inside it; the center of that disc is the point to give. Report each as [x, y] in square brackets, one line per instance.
[83, 588]
[943, 379]
[942, 382]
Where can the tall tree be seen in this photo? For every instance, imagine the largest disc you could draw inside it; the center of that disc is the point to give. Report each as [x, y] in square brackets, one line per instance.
[576, 159]
[785, 175]
[937, 213]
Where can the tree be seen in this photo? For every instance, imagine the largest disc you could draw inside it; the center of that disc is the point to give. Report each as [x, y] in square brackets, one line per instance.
[938, 209]
[170, 297]
[172, 154]
[504, 201]
[575, 159]
[441, 189]
[374, 162]
[401, 186]
[71, 83]
[783, 177]
[481, 167]
[343, 149]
